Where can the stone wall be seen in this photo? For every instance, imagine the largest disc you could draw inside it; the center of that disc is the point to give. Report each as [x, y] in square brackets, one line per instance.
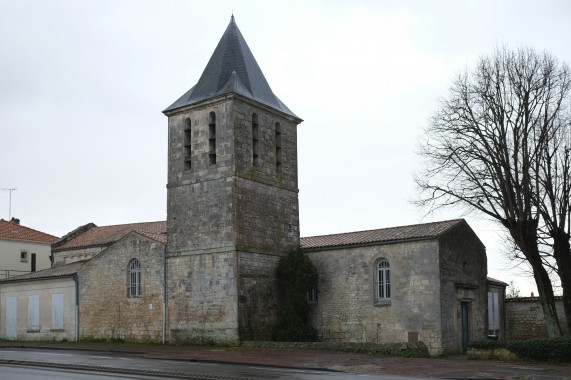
[230, 219]
[105, 310]
[430, 279]
[73, 255]
[43, 289]
[524, 318]
[202, 298]
[462, 274]
[347, 311]
[258, 301]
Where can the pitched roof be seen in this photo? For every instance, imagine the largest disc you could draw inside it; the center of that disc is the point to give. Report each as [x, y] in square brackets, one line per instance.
[15, 231]
[55, 272]
[383, 235]
[232, 68]
[495, 281]
[107, 235]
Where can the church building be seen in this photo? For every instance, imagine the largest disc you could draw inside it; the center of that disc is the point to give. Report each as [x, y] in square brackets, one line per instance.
[208, 272]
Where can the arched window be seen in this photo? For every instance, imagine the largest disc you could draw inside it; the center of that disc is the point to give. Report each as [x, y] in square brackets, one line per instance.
[212, 138]
[278, 147]
[187, 144]
[383, 281]
[255, 154]
[134, 286]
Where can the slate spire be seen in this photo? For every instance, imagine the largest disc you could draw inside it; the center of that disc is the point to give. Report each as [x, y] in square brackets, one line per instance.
[232, 68]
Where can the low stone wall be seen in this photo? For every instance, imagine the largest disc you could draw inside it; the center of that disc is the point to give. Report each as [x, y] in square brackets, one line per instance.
[524, 318]
[413, 349]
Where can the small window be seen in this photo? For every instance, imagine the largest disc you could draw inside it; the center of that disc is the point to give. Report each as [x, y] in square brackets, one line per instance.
[134, 278]
[24, 256]
[383, 281]
[312, 296]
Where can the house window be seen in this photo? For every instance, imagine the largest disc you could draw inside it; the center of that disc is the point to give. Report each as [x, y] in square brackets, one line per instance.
[278, 147]
[57, 311]
[212, 138]
[312, 296]
[33, 313]
[383, 281]
[24, 256]
[493, 314]
[134, 278]
[187, 144]
[255, 147]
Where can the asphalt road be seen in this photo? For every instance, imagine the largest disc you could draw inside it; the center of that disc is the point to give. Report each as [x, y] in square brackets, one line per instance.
[50, 364]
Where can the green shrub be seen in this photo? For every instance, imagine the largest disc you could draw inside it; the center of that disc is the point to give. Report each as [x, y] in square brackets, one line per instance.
[296, 275]
[552, 350]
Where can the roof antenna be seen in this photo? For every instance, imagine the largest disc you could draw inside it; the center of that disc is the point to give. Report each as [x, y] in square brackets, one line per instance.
[10, 204]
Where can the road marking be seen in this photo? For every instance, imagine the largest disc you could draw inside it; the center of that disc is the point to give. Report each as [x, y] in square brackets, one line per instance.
[51, 353]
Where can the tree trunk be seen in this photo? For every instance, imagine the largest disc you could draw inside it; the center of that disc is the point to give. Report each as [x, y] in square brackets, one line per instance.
[562, 255]
[525, 236]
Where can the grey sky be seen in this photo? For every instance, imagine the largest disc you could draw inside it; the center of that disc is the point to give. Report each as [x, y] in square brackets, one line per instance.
[83, 84]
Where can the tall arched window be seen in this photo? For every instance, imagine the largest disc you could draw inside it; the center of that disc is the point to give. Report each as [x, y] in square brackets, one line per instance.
[134, 286]
[278, 147]
[187, 144]
[212, 138]
[383, 281]
[255, 154]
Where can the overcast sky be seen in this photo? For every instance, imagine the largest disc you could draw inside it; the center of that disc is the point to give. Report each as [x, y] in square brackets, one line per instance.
[83, 84]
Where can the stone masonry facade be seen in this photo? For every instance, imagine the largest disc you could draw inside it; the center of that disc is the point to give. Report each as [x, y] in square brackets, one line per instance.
[429, 280]
[461, 277]
[524, 318]
[232, 213]
[105, 308]
[202, 299]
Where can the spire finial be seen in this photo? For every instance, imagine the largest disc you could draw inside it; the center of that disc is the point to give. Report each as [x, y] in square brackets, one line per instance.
[232, 18]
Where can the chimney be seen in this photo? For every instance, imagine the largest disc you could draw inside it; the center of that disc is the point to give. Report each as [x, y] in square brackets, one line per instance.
[15, 221]
[533, 295]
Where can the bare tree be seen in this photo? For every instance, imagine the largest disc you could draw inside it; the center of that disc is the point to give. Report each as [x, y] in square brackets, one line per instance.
[555, 189]
[485, 145]
[513, 290]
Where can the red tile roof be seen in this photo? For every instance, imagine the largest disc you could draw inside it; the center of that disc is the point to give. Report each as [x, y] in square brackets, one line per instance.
[14, 231]
[106, 235]
[383, 235]
[59, 271]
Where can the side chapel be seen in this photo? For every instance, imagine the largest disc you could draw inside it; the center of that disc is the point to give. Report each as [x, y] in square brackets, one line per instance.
[208, 272]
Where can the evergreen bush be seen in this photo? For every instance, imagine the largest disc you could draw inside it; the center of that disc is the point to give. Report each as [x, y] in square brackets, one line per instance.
[296, 275]
[552, 349]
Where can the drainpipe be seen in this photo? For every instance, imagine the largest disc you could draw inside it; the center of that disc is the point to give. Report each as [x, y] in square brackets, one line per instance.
[164, 292]
[75, 279]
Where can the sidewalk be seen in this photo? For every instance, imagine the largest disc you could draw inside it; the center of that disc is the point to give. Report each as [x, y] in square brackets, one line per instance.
[457, 367]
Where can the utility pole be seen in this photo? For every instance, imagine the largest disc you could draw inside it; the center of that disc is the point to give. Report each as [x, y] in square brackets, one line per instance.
[10, 189]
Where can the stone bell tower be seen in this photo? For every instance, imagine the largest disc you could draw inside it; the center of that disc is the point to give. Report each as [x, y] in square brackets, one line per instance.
[232, 199]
